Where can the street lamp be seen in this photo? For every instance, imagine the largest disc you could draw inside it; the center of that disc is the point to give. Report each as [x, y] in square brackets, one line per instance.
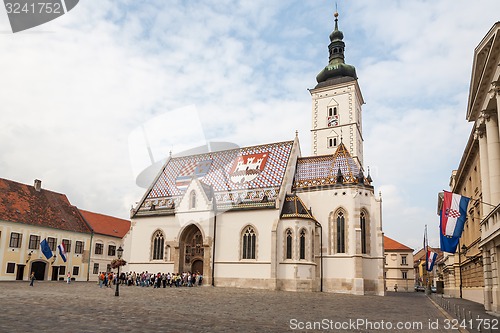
[119, 252]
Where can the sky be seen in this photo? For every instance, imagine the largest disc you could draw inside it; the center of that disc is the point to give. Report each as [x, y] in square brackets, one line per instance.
[85, 94]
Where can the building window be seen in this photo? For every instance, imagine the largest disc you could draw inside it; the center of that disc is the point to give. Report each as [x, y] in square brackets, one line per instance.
[158, 244]
[52, 243]
[67, 245]
[111, 250]
[79, 247]
[11, 267]
[340, 233]
[362, 224]
[302, 244]
[34, 242]
[76, 270]
[249, 240]
[108, 268]
[192, 199]
[288, 244]
[403, 260]
[62, 270]
[404, 275]
[332, 111]
[99, 248]
[96, 269]
[332, 142]
[15, 239]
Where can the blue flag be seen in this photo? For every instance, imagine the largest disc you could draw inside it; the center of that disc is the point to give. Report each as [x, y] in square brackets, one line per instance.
[452, 218]
[44, 246]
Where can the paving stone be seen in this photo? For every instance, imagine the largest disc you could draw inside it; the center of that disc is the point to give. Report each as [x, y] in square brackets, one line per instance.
[84, 307]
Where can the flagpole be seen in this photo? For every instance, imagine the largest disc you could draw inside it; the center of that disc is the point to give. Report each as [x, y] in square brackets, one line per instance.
[476, 200]
[460, 268]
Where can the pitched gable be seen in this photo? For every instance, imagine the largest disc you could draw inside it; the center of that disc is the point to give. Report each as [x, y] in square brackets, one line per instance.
[324, 170]
[249, 177]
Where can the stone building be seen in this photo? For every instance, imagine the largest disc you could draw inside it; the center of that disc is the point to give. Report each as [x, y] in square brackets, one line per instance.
[266, 217]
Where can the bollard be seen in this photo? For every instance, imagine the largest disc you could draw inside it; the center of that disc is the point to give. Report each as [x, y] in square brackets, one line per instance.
[458, 312]
[463, 313]
[479, 327]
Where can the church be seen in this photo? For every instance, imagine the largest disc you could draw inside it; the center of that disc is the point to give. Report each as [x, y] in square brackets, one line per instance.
[266, 217]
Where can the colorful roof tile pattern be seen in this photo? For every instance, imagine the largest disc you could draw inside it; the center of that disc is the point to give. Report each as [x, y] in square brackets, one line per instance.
[322, 170]
[239, 177]
[295, 208]
[24, 204]
[106, 225]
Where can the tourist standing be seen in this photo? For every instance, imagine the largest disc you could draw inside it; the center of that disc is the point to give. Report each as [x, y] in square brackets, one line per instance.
[32, 279]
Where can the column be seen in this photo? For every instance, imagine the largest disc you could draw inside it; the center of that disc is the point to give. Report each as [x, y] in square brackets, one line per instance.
[480, 135]
[487, 279]
[493, 143]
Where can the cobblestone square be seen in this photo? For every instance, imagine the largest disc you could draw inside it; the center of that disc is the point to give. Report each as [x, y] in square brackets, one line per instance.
[84, 307]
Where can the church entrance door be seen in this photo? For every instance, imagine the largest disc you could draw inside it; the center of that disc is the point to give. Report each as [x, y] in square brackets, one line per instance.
[191, 250]
[197, 267]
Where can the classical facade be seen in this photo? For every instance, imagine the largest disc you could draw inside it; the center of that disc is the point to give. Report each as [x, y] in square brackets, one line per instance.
[483, 109]
[473, 272]
[30, 214]
[398, 271]
[266, 217]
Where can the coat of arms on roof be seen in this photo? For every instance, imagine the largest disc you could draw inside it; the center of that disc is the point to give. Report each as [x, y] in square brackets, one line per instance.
[247, 167]
[191, 170]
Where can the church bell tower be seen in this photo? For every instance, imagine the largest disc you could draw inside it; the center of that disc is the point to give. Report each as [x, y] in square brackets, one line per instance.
[336, 104]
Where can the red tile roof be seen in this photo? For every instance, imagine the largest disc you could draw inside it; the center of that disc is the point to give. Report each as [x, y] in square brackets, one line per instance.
[391, 245]
[106, 225]
[20, 203]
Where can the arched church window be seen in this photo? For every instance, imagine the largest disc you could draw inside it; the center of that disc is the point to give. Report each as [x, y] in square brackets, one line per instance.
[363, 224]
[192, 199]
[288, 244]
[340, 232]
[335, 111]
[302, 244]
[249, 242]
[330, 112]
[158, 245]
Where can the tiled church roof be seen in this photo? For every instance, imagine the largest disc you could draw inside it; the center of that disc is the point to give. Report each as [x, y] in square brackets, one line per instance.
[243, 177]
[295, 208]
[24, 204]
[323, 170]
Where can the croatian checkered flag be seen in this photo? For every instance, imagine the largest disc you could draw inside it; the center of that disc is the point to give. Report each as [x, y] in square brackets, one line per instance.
[453, 215]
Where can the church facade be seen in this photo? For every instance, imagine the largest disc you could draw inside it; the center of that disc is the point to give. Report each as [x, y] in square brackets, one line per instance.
[266, 217]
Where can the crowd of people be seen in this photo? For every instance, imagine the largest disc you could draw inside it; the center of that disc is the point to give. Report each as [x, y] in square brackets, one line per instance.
[145, 279]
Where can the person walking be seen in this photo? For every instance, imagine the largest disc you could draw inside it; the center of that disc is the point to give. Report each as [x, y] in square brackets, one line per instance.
[32, 279]
[68, 277]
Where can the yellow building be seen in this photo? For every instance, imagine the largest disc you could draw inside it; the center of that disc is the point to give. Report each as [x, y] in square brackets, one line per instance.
[31, 214]
[398, 268]
[475, 272]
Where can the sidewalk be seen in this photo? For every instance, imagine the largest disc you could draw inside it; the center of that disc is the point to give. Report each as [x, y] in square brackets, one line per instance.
[467, 315]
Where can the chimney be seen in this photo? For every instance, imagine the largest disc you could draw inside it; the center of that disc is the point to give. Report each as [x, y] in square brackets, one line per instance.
[38, 185]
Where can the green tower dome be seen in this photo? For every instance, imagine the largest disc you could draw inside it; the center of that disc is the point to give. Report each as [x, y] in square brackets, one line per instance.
[336, 69]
